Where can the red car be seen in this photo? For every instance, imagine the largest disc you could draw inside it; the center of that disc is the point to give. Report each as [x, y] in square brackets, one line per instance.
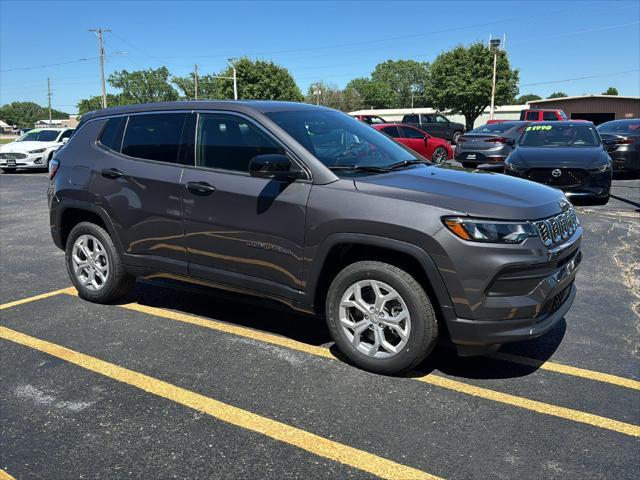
[433, 148]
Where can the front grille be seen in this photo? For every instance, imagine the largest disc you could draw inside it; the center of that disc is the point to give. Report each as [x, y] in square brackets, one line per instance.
[568, 178]
[552, 305]
[12, 156]
[555, 230]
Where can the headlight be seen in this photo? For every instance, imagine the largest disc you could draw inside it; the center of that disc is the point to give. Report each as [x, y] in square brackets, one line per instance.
[605, 167]
[40, 150]
[488, 231]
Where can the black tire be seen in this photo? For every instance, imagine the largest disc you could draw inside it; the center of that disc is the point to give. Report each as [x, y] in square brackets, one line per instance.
[8, 170]
[469, 165]
[118, 282]
[600, 201]
[456, 135]
[435, 154]
[423, 334]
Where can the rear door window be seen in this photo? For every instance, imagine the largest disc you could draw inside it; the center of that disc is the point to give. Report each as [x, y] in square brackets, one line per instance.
[411, 119]
[391, 131]
[154, 136]
[229, 143]
[532, 116]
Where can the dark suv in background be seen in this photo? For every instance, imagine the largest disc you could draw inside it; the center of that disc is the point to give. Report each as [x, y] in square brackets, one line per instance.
[315, 209]
[436, 125]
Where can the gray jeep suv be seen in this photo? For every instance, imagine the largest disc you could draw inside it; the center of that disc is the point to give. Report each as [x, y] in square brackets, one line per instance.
[313, 208]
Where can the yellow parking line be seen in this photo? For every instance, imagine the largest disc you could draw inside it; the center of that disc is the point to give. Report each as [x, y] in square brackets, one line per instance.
[568, 370]
[5, 476]
[282, 432]
[15, 303]
[457, 386]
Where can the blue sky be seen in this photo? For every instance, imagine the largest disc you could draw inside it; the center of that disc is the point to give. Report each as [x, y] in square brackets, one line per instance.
[330, 41]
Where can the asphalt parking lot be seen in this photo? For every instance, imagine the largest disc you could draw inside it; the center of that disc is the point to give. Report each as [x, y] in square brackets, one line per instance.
[185, 382]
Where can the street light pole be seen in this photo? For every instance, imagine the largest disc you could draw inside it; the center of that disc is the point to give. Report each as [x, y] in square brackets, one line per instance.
[494, 44]
[195, 81]
[99, 32]
[235, 83]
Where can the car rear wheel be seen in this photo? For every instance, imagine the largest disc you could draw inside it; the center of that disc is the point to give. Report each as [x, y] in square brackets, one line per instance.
[380, 317]
[94, 266]
[439, 155]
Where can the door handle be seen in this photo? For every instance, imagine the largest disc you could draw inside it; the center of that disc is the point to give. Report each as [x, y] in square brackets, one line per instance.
[112, 173]
[201, 188]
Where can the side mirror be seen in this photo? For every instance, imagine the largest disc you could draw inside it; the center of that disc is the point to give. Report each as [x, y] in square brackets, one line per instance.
[65, 140]
[272, 165]
[511, 142]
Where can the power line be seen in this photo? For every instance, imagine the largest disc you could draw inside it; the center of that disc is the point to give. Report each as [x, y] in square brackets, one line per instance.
[49, 65]
[579, 78]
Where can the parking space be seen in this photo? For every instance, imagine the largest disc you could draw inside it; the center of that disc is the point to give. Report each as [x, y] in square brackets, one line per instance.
[184, 382]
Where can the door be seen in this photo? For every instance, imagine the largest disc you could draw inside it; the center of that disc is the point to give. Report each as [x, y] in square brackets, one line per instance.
[137, 180]
[241, 229]
[441, 127]
[414, 139]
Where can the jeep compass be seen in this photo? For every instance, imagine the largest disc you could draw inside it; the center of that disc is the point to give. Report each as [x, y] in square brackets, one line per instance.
[313, 208]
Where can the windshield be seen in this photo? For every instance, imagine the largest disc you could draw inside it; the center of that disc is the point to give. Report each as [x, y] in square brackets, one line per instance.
[494, 128]
[620, 127]
[560, 135]
[338, 140]
[39, 136]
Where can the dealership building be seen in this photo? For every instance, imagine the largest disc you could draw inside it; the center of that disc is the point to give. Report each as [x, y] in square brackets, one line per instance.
[595, 108]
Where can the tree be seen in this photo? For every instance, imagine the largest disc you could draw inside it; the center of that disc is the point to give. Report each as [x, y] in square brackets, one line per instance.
[95, 103]
[529, 97]
[558, 95]
[26, 114]
[460, 81]
[610, 91]
[405, 78]
[143, 86]
[372, 94]
[209, 87]
[258, 80]
[331, 96]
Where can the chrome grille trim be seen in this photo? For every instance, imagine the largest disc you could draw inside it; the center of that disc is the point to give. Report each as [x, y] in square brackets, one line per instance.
[13, 156]
[555, 230]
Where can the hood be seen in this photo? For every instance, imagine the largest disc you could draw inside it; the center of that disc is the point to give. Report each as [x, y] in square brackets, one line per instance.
[559, 157]
[24, 147]
[479, 194]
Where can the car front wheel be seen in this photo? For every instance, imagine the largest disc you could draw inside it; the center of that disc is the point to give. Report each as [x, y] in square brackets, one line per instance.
[439, 155]
[380, 317]
[455, 137]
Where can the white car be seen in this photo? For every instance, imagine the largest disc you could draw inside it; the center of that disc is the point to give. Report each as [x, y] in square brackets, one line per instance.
[34, 149]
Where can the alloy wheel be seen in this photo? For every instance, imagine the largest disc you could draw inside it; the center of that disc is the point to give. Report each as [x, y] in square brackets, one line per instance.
[375, 319]
[439, 155]
[90, 262]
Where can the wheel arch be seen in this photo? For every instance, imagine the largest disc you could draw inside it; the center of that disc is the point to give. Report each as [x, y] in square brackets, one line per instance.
[339, 250]
[69, 213]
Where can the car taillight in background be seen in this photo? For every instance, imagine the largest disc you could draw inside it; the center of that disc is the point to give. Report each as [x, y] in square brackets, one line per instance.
[625, 141]
[54, 164]
[497, 140]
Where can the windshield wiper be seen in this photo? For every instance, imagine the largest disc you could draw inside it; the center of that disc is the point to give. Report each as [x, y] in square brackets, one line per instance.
[406, 163]
[358, 168]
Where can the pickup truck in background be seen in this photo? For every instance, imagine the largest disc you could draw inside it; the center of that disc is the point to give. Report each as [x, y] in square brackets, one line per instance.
[436, 125]
[542, 115]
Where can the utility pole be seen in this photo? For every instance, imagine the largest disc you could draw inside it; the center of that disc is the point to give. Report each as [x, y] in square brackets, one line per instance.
[235, 82]
[195, 80]
[99, 32]
[494, 44]
[49, 97]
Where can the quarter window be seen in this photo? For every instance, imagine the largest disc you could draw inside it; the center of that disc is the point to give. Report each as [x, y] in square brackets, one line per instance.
[229, 143]
[154, 136]
[546, 116]
[111, 136]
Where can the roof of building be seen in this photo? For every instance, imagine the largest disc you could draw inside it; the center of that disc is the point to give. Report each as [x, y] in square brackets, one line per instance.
[4, 124]
[562, 99]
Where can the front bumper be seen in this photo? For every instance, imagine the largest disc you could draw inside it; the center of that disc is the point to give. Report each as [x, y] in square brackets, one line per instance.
[594, 184]
[29, 161]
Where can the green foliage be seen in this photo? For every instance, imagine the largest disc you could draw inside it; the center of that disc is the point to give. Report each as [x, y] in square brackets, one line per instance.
[259, 80]
[95, 103]
[529, 97]
[611, 91]
[558, 95]
[460, 81]
[209, 87]
[144, 86]
[372, 94]
[331, 96]
[26, 114]
[404, 78]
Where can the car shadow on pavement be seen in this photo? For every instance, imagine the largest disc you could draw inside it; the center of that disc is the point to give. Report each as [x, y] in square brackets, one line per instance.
[275, 318]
